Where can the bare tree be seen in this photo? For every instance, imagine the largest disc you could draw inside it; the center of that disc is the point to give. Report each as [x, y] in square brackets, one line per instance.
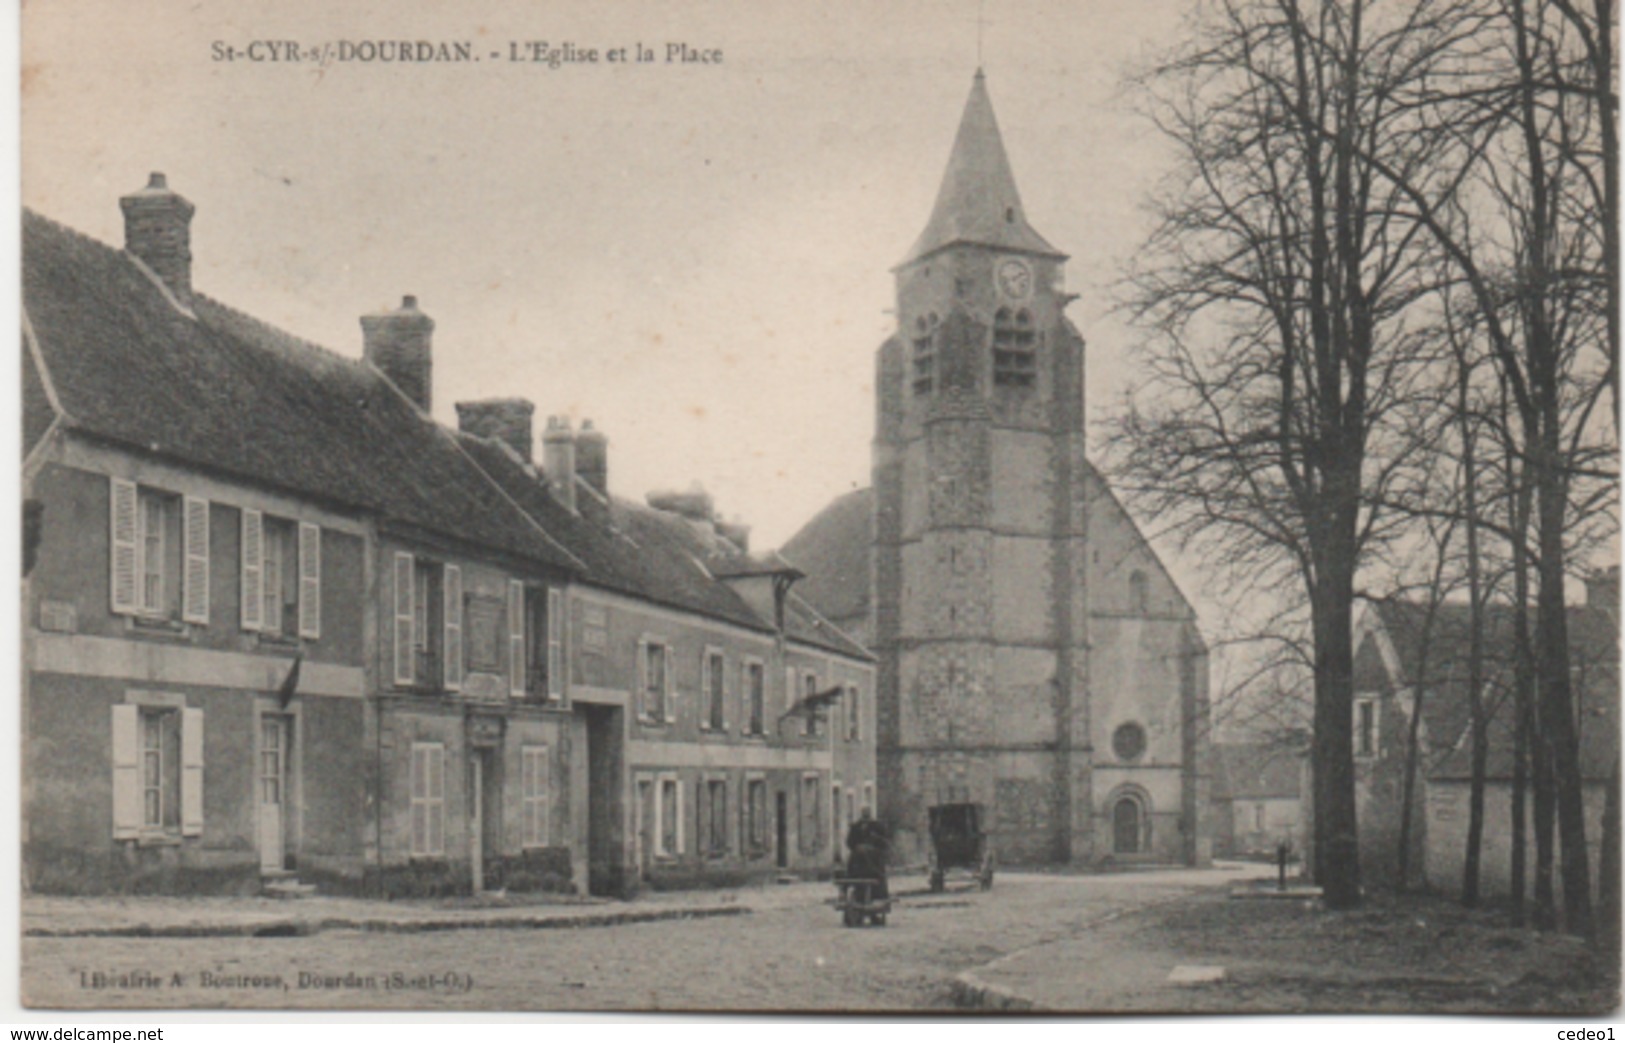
[1280, 293]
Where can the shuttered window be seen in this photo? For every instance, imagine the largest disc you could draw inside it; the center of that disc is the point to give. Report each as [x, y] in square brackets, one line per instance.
[253, 570]
[533, 783]
[127, 787]
[713, 690]
[157, 771]
[669, 818]
[453, 614]
[191, 772]
[195, 566]
[428, 799]
[555, 644]
[124, 532]
[516, 638]
[310, 580]
[404, 569]
[754, 698]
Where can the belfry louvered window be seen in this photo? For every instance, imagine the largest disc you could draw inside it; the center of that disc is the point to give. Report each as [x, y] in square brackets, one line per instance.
[1015, 360]
[923, 360]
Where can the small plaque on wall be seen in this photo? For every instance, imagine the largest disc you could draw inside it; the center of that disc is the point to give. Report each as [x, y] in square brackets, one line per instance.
[58, 617]
[491, 688]
[485, 635]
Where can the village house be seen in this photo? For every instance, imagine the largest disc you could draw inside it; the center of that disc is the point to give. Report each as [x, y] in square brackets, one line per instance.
[1412, 660]
[1257, 799]
[284, 630]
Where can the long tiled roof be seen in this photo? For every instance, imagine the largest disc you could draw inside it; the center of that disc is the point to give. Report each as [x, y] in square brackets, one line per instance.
[1436, 652]
[224, 392]
[228, 393]
[833, 550]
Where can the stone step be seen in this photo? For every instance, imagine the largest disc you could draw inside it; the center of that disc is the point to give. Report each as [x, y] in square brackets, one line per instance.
[287, 887]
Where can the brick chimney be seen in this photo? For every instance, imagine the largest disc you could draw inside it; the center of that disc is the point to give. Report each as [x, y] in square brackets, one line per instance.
[397, 343]
[559, 460]
[505, 419]
[592, 457]
[158, 230]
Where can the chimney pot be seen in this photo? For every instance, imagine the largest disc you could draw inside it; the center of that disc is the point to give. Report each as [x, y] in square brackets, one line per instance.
[399, 344]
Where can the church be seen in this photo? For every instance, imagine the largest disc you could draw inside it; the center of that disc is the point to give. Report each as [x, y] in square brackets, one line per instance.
[1035, 656]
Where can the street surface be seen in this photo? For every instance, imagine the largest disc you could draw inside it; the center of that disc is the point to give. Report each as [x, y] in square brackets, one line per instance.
[790, 954]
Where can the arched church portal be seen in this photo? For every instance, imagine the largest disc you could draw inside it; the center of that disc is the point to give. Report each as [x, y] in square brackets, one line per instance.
[1130, 811]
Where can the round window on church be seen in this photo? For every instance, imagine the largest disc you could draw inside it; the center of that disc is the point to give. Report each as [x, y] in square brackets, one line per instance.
[1128, 742]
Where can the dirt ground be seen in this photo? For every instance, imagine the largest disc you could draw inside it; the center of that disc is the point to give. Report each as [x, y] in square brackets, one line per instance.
[1406, 954]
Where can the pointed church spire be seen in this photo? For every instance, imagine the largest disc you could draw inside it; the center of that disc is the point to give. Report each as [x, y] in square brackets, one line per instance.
[978, 201]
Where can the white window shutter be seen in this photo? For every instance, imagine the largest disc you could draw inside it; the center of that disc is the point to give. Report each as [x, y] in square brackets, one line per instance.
[555, 643]
[404, 568]
[642, 708]
[195, 574]
[705, 691]
[670, 696]
[126, 772]
[310, 580]
[727, 690]
[122, 508]
[191, 772]
[789, 687]
[682, 819]
[453, 617]
[253, 569]
[516, 638]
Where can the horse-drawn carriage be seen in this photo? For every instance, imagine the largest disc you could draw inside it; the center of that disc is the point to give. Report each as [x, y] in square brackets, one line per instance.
[959, 840]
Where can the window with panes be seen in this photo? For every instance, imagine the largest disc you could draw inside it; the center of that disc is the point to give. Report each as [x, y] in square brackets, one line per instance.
[160, 770]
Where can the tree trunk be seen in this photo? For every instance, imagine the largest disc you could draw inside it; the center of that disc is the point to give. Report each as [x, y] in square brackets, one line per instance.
[1556, 706]
[1475, 659]
[1608, 870]
[1337, 848]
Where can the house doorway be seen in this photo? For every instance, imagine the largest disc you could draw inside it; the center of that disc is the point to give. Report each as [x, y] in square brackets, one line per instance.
[643, 827]
[275, 733]
[781, 835]
[485, 815]
[604, 830]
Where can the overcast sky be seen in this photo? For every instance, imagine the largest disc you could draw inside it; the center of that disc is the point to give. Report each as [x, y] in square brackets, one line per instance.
[695, 256]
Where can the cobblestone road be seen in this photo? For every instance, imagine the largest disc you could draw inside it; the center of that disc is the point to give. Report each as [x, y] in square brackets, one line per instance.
[784, 956]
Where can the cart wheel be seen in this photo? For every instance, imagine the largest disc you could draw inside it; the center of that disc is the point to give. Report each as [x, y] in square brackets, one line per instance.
[936, 881]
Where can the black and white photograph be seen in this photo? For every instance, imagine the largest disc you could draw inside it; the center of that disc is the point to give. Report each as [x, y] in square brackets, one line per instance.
[971, 508]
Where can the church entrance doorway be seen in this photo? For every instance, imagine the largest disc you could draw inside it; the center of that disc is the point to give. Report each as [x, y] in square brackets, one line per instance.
[1127, 826]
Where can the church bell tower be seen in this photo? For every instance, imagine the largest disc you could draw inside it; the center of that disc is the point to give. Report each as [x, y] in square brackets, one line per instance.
[979, 569]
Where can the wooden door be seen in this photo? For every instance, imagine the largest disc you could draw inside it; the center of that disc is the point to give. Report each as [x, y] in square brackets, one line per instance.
[273, 792]
[476, 821]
